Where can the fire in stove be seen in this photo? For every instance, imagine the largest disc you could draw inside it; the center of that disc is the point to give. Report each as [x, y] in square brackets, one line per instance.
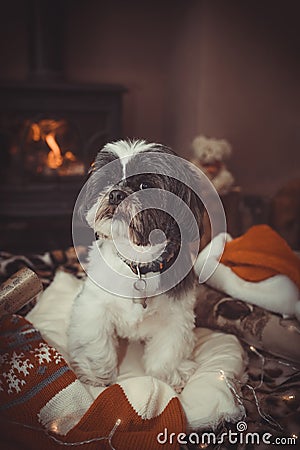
[50, 148]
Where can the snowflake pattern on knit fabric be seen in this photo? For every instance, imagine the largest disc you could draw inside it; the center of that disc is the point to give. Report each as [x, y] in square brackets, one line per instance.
[45, 354]
[20, 366]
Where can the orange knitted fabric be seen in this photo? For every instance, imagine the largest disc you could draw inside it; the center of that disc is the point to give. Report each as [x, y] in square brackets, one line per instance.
[32, 373]
[260, 254]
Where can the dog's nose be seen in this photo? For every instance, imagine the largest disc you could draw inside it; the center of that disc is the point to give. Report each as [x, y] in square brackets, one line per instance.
[116, 196]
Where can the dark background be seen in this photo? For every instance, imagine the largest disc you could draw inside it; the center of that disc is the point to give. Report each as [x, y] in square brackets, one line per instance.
[225, 69]
[221, 68]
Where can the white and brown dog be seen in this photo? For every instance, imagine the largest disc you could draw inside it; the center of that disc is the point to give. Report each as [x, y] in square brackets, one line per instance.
[142, 241]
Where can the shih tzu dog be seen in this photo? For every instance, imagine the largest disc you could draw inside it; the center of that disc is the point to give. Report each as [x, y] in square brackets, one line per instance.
[141, 283]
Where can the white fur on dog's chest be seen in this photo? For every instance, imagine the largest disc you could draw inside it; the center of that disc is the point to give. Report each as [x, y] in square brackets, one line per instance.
[138, 322]
[129, 318]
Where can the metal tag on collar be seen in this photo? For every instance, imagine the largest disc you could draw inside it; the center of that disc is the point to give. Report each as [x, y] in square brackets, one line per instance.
[140, 284]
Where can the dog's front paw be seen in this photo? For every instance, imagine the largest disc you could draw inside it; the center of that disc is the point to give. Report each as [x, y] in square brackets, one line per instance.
[176, 377]
[96, 377]
[97, 380]
[95, 372]
[181, 375]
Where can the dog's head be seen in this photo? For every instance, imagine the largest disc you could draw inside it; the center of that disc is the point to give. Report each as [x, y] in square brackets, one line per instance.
[135, 188]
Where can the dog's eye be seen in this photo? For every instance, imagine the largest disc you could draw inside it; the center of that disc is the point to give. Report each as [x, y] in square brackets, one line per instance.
[144, 185]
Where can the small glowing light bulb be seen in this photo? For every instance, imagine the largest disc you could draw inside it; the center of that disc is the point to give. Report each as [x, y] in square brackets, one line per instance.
[222, 375]
[54, 427]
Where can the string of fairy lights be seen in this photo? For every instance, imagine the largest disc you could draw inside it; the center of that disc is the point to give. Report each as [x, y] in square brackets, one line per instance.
[72, 444]
[233, 384]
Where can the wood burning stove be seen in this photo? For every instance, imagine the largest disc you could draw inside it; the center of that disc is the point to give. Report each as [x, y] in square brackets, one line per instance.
[50, 132]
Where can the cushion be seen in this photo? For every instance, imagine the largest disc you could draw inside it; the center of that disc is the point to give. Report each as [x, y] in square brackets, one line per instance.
[207, 397]
[255, 326]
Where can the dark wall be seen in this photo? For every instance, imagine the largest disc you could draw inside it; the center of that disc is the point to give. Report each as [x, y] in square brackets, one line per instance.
[224, 69]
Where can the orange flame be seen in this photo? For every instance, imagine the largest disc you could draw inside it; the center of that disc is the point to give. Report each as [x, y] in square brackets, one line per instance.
[66, 162]
[54, 158]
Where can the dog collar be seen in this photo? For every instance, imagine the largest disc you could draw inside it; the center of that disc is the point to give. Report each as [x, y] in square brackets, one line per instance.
[159, 265]
[162, 263]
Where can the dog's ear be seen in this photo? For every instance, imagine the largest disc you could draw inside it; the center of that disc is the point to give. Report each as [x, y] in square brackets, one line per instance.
[197, 208]
[88, 196]
[87, 191]
[101, 176]
[190, 191]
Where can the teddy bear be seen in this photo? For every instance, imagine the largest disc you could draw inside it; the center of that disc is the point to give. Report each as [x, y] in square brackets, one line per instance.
[209, 155]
